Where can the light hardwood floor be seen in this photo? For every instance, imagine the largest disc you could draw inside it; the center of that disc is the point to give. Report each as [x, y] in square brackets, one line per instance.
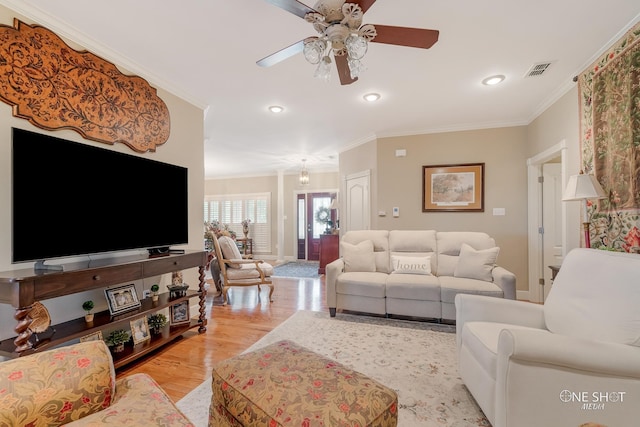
[182, 365]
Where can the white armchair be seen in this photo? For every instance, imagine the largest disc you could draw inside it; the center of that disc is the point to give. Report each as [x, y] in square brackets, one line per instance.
[572, 361]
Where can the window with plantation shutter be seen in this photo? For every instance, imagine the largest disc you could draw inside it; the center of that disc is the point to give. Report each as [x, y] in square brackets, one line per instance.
[232, 209]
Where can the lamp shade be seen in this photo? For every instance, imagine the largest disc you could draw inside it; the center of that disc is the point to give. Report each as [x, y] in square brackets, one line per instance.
[582, 187]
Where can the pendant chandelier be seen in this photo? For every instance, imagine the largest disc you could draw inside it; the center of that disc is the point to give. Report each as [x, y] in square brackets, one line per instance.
[304, 174]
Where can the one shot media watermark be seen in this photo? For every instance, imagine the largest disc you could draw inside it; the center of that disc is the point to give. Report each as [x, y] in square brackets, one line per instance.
[593, 400]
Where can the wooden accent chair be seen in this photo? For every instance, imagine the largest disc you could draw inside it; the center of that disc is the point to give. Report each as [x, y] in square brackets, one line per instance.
[236, 271]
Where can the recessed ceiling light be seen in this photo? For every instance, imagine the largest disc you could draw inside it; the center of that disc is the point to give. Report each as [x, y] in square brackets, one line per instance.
[276, 109]
[371, 97]
[493, 80]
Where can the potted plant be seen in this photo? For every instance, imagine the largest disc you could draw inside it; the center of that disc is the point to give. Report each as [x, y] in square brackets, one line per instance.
[116, 340]
[157, 321]
[88, 306]
[154, 288]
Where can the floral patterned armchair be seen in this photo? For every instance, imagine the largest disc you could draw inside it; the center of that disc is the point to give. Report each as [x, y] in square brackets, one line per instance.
[76, 385]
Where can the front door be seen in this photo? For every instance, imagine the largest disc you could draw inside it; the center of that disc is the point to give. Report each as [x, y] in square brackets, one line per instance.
[318, 216]
[301, 208]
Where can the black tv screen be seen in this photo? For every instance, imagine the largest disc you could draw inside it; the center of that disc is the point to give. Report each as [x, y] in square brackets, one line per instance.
[72, 199]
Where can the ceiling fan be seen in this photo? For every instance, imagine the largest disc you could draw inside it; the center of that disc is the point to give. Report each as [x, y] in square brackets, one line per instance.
[341, 32]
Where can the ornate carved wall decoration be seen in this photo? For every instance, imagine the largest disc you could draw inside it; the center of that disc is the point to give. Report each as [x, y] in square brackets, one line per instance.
[609, 93]
[56, 87]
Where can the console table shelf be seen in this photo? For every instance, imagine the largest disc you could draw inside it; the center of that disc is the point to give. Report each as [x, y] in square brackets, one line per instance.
[133, 352]
[23, 288]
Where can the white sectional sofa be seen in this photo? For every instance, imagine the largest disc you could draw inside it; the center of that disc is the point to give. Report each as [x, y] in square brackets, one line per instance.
[414, 273]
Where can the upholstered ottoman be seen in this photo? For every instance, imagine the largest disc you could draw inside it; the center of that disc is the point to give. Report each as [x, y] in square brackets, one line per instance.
[285, 384]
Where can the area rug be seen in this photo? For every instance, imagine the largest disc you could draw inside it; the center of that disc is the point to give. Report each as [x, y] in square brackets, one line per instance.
[416, 359]
[297, 269]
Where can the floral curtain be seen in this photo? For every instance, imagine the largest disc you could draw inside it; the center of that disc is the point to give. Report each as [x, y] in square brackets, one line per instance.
[609, 94]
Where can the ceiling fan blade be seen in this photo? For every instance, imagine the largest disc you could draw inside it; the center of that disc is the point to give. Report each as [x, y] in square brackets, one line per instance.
[293, 6]
[364, 4]
[343, 70]
[282, 54]
[404, 36]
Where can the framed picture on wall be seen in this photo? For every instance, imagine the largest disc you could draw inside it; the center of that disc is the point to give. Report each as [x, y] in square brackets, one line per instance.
[453, 188]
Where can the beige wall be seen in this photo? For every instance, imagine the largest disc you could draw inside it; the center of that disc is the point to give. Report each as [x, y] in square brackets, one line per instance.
[359, 159]
[397, 181]
[318, 182]
[503, 151]
[560, 122]
[185, 148]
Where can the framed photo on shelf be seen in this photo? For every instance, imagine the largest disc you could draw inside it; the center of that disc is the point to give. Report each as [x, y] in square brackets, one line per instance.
[179, 313]
[140, 330]
[453, 188]
[121, 299]
[96, 336]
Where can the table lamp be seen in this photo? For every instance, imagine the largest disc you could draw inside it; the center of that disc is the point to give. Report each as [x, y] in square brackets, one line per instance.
[584, 187]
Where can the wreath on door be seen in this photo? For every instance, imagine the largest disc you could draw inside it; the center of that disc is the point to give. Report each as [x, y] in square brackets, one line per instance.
[323, 215]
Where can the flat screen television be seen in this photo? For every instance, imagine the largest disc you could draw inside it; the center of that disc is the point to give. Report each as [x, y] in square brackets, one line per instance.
[71, 199]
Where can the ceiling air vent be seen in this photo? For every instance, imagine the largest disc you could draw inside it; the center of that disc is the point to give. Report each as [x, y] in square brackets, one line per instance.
[538, 69]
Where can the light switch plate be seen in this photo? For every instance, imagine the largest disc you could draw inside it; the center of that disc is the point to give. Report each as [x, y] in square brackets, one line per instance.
[499, 211]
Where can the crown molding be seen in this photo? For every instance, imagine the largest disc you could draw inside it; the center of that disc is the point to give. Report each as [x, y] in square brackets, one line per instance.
[64, 30]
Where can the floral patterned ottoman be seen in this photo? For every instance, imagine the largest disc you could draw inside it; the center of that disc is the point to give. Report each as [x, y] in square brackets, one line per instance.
[285, 384]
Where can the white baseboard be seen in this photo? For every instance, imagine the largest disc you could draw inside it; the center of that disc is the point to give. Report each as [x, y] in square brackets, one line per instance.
[522, 295]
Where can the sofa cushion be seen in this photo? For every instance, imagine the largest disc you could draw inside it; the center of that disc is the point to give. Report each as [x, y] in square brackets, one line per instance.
[596, 295]
[368, 284]
[452, 286]
[249, 271]
[413, 286]
[229, 250]
[412, 241]
[140, 402]
[449, 244]
[380, 239]
[358, 257]
[476, 264]
[411, 264]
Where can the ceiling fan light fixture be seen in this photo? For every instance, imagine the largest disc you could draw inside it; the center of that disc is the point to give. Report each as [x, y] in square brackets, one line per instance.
[371, 97]
[356, 46]
[323, 72]
[493, 80]
[341, 33]
[356, 67]
[276, 109]
[314, 50]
